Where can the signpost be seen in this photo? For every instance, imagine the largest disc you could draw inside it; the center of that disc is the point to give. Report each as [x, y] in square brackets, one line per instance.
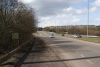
[15, 35]
[15, 38]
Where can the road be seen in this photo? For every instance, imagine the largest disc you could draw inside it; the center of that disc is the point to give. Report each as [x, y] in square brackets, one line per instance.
[68, 48]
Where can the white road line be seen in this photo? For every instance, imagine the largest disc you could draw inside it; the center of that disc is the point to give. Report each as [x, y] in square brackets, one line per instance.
[89, 61]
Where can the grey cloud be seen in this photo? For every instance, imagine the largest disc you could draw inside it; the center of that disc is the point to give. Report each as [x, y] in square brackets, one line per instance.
[51, 7]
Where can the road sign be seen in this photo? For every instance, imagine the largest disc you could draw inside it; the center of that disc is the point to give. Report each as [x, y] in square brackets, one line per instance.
[15, 35]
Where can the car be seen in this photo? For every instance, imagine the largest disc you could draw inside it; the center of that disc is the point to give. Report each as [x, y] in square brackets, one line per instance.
[77, 36]
[51, 34]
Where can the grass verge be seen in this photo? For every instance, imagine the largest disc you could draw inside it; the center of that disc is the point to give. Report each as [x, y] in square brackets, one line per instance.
[96, 40]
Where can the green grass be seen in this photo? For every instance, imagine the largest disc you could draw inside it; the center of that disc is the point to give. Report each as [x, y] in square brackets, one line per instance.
[96, 40]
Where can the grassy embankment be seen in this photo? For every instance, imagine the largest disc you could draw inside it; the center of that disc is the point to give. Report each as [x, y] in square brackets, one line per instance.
[96, 40]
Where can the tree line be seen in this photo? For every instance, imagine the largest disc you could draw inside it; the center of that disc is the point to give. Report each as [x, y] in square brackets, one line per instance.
[17, 23]
[93, 30]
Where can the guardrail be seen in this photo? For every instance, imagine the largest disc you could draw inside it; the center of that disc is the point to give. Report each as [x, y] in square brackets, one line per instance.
[7, 56]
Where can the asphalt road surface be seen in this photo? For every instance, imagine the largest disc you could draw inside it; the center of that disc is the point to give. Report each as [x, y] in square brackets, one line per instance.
[68, 48]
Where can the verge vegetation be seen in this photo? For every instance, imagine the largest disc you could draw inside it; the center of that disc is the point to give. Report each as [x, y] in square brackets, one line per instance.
[96, 40]
[17, 23]
[78, 29]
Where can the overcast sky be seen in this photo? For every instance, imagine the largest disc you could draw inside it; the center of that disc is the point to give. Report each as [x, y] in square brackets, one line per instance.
[65, 12]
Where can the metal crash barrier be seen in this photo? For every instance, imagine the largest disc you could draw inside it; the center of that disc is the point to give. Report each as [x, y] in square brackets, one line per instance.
[9, 55]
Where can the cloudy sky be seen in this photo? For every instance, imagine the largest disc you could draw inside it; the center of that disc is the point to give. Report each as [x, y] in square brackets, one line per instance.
[65, 12]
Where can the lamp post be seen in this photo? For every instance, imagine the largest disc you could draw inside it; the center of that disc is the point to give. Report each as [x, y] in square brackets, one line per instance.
[88, 20]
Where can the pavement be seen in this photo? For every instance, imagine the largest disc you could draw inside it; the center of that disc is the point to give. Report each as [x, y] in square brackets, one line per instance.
[69, 48]
[47, 55]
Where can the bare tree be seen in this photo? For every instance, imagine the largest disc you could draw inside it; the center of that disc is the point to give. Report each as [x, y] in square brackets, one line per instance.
[15, 18]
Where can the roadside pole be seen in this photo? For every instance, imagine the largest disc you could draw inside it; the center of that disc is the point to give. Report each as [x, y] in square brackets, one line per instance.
[88, 20]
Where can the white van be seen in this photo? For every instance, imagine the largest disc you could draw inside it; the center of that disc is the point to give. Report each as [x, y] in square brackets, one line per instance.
[51, 34]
